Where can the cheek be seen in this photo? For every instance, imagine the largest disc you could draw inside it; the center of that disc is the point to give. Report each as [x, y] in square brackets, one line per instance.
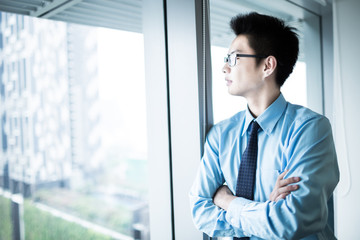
[240, 75]
[236, 73]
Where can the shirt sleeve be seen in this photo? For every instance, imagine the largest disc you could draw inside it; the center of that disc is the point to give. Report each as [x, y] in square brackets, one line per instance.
[310, 155]
[207, 217]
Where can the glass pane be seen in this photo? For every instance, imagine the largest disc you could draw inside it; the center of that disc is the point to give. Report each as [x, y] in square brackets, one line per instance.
[5, 223]
[225, 105]
[73, 124]
[294, 88]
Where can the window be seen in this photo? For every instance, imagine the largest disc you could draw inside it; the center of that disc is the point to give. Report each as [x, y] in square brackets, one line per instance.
[77, 148]
[66, 143]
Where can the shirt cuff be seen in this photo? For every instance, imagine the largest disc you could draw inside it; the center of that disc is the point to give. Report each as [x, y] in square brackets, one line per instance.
[233, 214]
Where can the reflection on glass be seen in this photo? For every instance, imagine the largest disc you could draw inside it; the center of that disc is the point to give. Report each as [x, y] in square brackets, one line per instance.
[73, 129]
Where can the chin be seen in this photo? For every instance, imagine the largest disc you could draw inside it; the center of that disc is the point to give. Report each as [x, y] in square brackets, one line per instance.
[234, 93]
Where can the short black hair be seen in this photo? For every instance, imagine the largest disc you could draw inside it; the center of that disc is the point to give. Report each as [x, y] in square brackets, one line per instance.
[269, 36]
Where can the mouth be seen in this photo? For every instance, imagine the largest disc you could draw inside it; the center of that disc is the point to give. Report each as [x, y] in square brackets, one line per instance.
[228, 82]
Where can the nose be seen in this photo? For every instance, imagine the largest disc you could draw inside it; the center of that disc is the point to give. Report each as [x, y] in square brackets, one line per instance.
[226, 68]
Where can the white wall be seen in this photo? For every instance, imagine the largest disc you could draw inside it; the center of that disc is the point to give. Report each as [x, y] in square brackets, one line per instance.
[346, 115]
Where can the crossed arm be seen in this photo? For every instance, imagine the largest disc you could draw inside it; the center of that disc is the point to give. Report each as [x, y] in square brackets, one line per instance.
[291, 212]
[223, 196]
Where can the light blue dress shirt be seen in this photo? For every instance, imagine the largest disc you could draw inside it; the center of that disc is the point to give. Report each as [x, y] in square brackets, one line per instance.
[291, 138]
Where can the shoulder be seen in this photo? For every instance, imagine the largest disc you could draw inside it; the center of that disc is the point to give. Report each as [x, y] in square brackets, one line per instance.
[299, 117]
[230, 123]
[226, 126]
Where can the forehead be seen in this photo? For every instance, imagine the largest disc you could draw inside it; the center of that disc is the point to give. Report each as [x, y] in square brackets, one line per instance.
[240, 44]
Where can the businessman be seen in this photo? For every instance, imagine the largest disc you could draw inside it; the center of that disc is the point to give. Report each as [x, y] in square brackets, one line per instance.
[269, 171]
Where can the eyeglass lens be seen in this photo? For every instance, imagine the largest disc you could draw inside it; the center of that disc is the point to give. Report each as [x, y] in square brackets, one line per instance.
[230, 60]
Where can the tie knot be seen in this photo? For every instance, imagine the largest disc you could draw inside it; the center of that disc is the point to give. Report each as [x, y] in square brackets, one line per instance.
[254, 128]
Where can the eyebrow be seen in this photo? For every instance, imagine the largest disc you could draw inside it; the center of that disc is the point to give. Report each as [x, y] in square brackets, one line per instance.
[235, 51]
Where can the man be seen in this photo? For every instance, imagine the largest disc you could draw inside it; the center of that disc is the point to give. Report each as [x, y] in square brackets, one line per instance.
[294, 145]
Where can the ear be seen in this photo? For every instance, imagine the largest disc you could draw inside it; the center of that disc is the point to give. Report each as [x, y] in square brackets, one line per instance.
[270, 64]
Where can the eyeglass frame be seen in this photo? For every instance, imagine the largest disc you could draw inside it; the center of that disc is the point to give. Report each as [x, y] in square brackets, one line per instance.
[226, 59]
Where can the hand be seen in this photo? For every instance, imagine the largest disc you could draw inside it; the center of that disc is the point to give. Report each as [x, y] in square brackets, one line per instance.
[223, 196]
[282, 187]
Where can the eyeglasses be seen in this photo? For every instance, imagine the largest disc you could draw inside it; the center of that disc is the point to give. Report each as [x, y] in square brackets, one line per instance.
[230, 59]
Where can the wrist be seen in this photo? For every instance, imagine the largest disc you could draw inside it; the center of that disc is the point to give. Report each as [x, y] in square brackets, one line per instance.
[223, 197]
[227, 201]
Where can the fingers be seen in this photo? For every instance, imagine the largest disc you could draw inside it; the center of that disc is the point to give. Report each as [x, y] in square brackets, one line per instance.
[288, 189]
[281, 176]
[288, 181]
[283, 182]
[284, 187]
[282, 196]
[281, 193]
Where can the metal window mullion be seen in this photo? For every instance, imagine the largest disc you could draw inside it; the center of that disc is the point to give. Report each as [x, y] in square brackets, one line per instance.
[189, 68]
[158, 120]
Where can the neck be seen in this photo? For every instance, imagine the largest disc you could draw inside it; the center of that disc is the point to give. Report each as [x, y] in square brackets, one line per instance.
[259, 103]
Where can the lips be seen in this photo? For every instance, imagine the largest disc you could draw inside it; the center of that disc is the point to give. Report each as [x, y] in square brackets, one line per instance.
[228, 82]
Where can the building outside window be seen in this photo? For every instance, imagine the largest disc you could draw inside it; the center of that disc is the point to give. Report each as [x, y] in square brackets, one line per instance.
[73, 130]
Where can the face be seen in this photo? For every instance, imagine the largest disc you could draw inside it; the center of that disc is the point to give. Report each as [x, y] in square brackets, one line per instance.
[246, 77]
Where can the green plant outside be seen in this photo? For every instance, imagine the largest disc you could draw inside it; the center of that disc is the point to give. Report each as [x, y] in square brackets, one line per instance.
[5, 219]
[114, 217]
[40, 225]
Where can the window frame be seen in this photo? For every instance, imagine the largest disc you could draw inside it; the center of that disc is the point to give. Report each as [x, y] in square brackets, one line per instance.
[179, 107]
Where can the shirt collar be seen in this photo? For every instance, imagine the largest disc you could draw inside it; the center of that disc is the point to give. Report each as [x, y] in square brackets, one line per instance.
[248, 119]
[268, 119]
